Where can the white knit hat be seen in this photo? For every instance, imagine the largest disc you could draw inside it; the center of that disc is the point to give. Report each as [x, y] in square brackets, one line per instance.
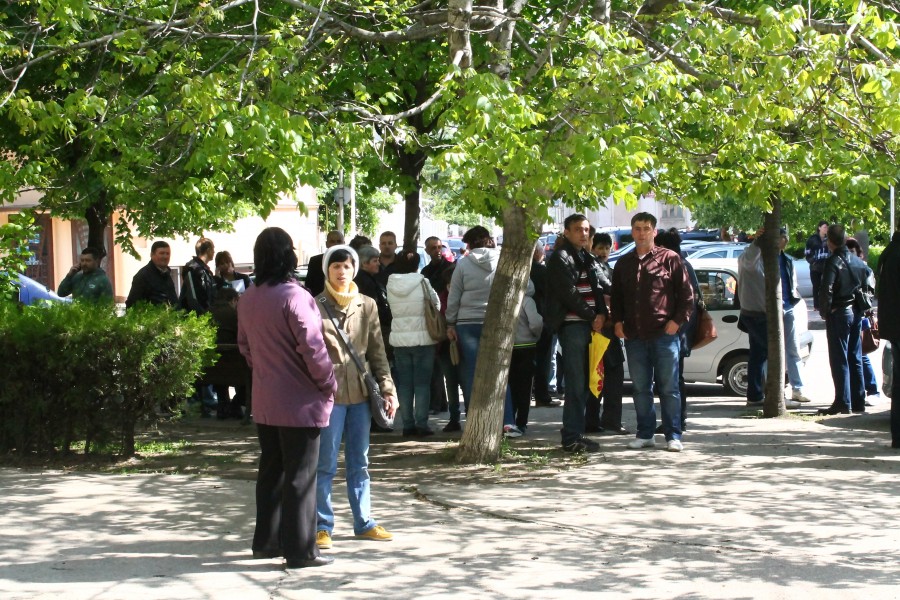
[353, 255]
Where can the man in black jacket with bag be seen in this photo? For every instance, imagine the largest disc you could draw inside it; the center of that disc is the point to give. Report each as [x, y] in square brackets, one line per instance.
[846, 283]
[889, 322]
[574, 308]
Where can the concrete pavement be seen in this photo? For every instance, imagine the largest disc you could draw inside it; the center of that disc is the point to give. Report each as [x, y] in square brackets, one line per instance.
[753, 508]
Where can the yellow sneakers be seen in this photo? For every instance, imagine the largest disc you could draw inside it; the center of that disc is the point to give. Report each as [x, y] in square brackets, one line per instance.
[323, 539]
[377, 533]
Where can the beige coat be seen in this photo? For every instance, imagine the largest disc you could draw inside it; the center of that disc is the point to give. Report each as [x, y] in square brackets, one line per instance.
[360, 321]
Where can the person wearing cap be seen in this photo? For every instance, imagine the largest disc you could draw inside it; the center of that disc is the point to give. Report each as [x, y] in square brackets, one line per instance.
[816, 254]
[357, 316]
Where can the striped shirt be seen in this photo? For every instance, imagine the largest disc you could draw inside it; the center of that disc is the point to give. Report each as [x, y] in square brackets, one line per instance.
[583, 285]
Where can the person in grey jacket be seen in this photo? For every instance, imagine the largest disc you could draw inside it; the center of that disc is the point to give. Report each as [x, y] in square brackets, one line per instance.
[467, 301]
[521, 367]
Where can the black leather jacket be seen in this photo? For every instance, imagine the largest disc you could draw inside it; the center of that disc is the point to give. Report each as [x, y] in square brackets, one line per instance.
[889, 290]
[562, 296]
[839, 284]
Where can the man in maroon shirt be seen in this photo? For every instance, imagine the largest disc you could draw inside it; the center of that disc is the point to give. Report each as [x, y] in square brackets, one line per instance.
[651, 300]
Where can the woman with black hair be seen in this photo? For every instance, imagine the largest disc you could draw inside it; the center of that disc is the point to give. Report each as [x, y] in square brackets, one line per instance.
[280, 335]
[351, 418]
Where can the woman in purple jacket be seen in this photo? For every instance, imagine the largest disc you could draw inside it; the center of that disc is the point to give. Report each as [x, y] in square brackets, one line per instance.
[280, 335]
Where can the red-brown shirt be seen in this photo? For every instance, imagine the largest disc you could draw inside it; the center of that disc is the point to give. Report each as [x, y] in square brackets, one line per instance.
[647, 293]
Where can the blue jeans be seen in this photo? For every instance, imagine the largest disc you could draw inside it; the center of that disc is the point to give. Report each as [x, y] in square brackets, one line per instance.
[414, 365]
[574, 340]
[869, 380]
[759, 355]
[355, 420]
[469, 342]
[655, 360]
[842, 329]
[791, 352]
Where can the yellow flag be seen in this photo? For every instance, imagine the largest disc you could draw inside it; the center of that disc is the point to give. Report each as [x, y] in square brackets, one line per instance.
[599, 344]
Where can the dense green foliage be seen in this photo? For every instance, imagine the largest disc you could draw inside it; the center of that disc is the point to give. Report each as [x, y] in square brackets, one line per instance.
[78, 373]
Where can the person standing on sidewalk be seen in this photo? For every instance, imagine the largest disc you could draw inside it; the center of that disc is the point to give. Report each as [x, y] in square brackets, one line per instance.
[544, 349]
[575, 308]
[816, 255]
[86, 280]
[843, 276]
[889, 322]
[280, 335]
[651, 300]
[752, 298]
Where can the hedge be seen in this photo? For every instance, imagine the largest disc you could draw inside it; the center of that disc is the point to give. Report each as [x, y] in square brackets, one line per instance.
[78, 373]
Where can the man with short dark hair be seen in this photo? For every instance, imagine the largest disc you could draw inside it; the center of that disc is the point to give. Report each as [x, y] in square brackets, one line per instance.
[198, 284]
[844, 277]
[434, 270]
[153, 283]
[889, 322]
[315, 276]
[86, 280]
[574, 308]
[651, 300]
[816, 255]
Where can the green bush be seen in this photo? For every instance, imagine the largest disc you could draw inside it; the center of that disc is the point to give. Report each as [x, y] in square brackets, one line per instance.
[78, 373]
[873, 256]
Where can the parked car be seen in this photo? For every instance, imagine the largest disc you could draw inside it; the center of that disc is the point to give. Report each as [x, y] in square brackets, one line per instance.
[456, 246]
[32, 292]
[621, 236]
[717, 250]
[725, 359]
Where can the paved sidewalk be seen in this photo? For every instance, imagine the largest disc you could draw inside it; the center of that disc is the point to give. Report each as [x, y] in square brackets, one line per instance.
[753, 508]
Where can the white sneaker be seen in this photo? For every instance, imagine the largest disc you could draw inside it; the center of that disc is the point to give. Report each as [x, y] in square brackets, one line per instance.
[674, 446]
[797, 396]
[511, 431]
[791, 403]
[639, 443]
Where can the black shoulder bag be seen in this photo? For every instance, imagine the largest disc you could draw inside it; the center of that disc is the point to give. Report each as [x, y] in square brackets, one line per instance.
[862, 300]
[376, 400]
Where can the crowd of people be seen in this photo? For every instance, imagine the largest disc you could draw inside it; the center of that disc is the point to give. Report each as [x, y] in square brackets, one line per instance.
[309, 398]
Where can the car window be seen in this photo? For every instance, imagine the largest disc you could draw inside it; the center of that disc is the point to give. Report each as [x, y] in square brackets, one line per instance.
[737, 252]
[719, 289]
[713, 254]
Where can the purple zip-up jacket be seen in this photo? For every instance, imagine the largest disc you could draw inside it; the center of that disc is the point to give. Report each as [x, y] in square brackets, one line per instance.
[280, 335]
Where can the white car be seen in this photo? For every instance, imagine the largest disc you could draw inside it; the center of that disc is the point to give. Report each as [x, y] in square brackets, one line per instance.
[725, 359]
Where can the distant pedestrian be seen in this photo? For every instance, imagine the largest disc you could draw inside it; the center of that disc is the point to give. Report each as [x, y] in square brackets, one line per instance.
[315, 278]
[870, 381]
[153, 282]
[521, 368]
[844, 275]
[816, 254]
[227, 277]
[543, 353]
[198, 285]
[86, 280]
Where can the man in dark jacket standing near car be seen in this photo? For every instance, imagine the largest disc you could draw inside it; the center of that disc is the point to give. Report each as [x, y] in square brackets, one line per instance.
[889, 322]
[651, 299]
[842, 279]
[574, 309]
[816, 254]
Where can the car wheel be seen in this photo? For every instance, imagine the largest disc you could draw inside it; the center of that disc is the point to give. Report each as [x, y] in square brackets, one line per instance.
[734, 375]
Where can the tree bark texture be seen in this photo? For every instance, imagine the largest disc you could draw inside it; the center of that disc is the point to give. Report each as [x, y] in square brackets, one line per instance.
[411, 165]
[480, 442]
[97, 216]
[774, 404]
[459, 18]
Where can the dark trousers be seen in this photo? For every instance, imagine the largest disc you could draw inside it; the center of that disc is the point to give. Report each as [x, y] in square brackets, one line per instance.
[450, 374]
[842, 329]
[613, 383]
[438, 389]
[521, 375]
[542, 353]
[574, 339]
[286, 491]
[895, 394]
[815, 277]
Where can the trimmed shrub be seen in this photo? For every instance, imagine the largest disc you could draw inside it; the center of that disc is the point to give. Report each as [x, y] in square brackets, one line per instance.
[77, 373]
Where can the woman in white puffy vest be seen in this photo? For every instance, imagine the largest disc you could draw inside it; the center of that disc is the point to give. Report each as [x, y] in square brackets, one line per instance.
[413, 347]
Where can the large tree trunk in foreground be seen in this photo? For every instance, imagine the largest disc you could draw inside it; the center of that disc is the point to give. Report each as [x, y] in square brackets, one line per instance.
[774, 405]
[484, 422]
[97, 216]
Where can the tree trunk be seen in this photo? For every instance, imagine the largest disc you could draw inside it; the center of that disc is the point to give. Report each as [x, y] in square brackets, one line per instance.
[411, 165]
[459, 19]
[774, 405]
[97, 216]
[480, 441]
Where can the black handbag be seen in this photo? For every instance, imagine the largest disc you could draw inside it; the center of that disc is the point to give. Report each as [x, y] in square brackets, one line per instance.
[376, 400]
[862, 296]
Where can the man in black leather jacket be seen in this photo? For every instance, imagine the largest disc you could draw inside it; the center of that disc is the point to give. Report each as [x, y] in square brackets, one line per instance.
[574, 308]
[889, 322]
[844, 277]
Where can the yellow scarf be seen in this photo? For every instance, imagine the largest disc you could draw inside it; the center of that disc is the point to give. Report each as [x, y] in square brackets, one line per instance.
[342, 299]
